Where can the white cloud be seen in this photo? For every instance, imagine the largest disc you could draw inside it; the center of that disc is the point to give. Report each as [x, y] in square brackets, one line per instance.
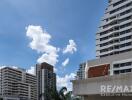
[65, 62]
[15, 67]
[2, 67]
[50, 58]
[31, 70]
[55, 69]
[40, 40]
[65, 81]
[70, 48]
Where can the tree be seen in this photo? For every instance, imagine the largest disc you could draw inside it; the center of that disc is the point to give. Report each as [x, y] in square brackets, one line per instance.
[62, 95]
[1, 98]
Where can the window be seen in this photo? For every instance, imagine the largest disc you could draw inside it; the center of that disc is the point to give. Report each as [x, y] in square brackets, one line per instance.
[116, 66]
[126, 31]
[126, 44]
[116, 47]
[125, 19]
[119, 2]
[125, 25]
[126, 12]
[116, 72]
[120, 8]
[128, 70]
[122, 71]
[128, 63]
[122, 64]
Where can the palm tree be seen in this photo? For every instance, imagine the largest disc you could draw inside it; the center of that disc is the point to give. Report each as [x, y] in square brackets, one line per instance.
[62, 95]
[58, 95]
[1, 99]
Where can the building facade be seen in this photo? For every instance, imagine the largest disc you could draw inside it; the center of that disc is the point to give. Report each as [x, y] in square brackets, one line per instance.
[115, 31]
[113, 65]
[81, 71]
[16, 84]
[46, 80]
[114, 36]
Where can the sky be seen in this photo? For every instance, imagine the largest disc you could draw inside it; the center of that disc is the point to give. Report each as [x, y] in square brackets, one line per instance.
[60, 32]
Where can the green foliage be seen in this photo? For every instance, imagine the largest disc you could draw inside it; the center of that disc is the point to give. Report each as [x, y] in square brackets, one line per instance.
[61, 95]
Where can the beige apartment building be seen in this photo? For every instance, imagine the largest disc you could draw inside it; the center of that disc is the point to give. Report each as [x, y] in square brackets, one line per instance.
[17, 84]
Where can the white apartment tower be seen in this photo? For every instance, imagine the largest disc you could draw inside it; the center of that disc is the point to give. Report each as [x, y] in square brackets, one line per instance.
[115, 32]
[114, 38]
[113, 63]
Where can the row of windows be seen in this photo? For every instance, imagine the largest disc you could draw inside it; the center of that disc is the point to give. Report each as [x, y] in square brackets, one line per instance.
[116, 52]
[122, 71]
[122, 64]
[117, 21]
[126, 44]
[118, 15]
[105, 32]
[126, 12]
[126, 38]
[116, 34]
[110, 42]
[116, 28]
[116, 41]
[126, 31]
[120, 8]
[110, 24]
[110, 36]
[125, 19]
[119, 2]
[116, 47]
[125, 25]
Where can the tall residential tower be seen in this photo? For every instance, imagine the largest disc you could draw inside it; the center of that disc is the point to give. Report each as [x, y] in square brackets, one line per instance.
[115, 31]
[46, 80]
[113, 63]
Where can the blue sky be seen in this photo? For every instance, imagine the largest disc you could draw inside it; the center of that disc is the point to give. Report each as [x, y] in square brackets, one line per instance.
[62, 19]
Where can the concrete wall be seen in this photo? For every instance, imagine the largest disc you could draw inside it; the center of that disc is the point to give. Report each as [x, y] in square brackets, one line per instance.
[11, 98]
[92, 86]
[98, 97]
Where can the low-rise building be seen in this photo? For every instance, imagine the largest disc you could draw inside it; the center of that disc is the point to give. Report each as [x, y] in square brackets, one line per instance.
[111, 70]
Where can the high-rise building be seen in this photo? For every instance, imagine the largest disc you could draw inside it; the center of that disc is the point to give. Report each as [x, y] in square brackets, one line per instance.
[115, 36]
[16, 84]
[0, 84]
[115, 32]
[113, 63]
[81, 71]
[46, 80]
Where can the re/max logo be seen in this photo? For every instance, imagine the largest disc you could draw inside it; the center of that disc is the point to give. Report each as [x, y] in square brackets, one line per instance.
[115, 89]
